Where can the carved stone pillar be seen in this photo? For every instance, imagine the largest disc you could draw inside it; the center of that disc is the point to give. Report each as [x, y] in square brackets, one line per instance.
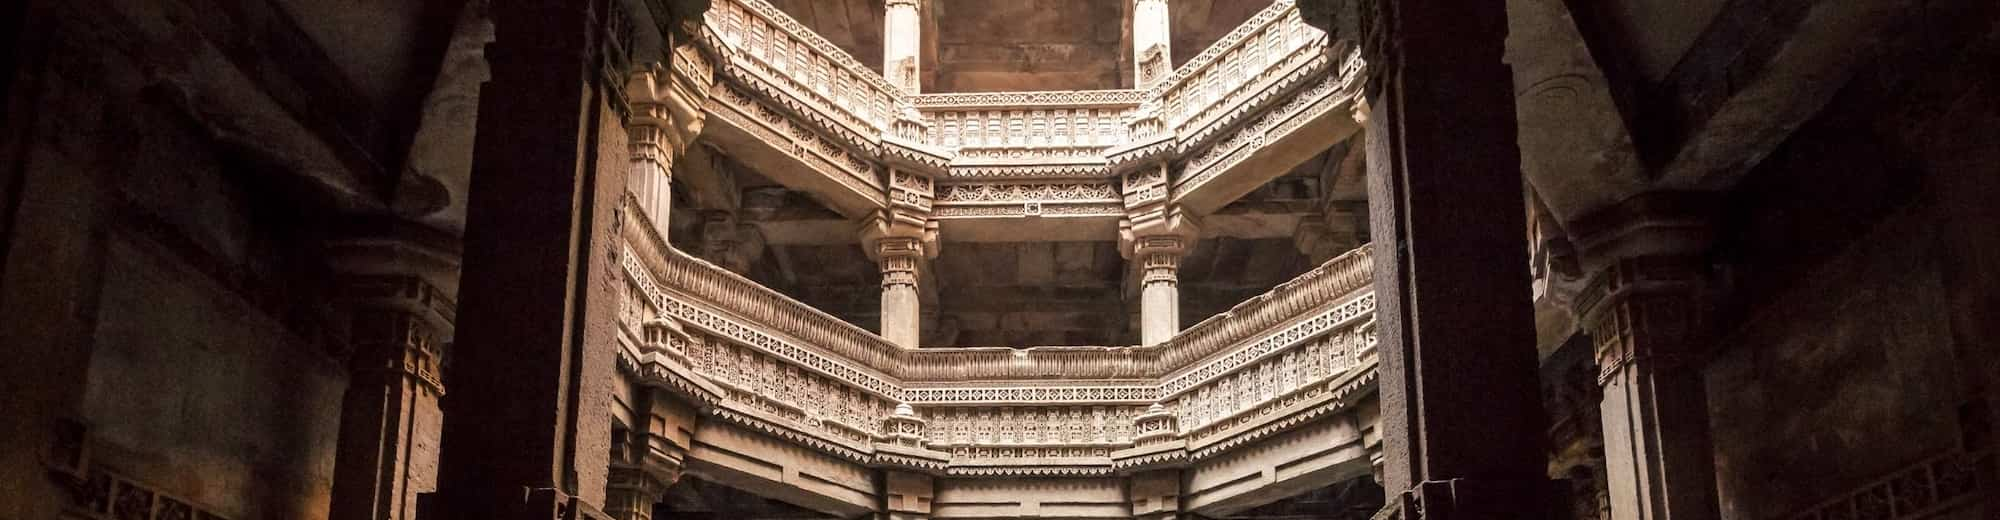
[665, 117]
[902, 40]
[397, 292]
[651, 455]
[389, 418]
[1156, 247]
[1462, 421]
[1646, 306]
[900, 243]
[1152, 40]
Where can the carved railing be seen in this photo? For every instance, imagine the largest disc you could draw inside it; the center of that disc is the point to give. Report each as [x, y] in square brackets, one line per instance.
[1020, 134]
[1274, 46]
[1023, 128]
[780, 57]
[762, 359]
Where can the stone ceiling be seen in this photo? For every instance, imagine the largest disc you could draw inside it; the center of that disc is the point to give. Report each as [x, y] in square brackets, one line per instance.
[987, 45]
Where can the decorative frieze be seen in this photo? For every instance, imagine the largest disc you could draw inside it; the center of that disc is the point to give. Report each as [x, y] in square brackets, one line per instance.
[997, 199]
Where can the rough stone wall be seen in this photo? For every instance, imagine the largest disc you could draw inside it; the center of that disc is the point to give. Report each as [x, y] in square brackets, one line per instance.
[1843, 380]
[171, 292]
[1838, 372]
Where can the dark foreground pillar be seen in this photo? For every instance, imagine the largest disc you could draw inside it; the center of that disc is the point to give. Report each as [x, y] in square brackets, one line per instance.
[527, 434]
[1462, 420]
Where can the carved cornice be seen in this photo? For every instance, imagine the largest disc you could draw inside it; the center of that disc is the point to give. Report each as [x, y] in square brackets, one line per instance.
[1046, 98]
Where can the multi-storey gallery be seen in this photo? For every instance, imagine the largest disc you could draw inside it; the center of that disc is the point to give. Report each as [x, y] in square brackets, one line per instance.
[1000, 259]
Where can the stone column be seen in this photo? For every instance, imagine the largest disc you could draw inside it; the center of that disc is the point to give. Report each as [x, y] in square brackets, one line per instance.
[530, 432]
[651, 454]
[900, 250]
[1152, 41]
[1646, 306]
[1462, 421]
[902, 41]
[1155, 494]
[1156, 245]
[389, 418]
[397, 289]
[901, 239]
[651, 179]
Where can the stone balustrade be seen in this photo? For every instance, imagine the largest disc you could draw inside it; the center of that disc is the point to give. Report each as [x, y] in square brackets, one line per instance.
[769, 49]
[761, 358]
[1260, 67]
[1273, 49]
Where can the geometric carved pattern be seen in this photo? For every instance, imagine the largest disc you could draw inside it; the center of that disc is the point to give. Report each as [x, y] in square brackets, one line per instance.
[1922, 490]
[106, 496]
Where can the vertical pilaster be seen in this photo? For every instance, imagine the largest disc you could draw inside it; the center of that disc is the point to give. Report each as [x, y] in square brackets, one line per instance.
[396, 284]
[650, 456]
[1152, 41]
[665, 117]
[1646, 306]
[529, 435]
[902, 41]
[1461, 416]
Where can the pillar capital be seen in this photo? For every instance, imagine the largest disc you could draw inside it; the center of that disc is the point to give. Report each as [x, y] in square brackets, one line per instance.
[892, 234]
[1169, 230]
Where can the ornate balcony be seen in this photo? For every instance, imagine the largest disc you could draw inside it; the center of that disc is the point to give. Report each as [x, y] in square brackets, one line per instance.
[1274, 366]
[1293, 365]
[1266, 97]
